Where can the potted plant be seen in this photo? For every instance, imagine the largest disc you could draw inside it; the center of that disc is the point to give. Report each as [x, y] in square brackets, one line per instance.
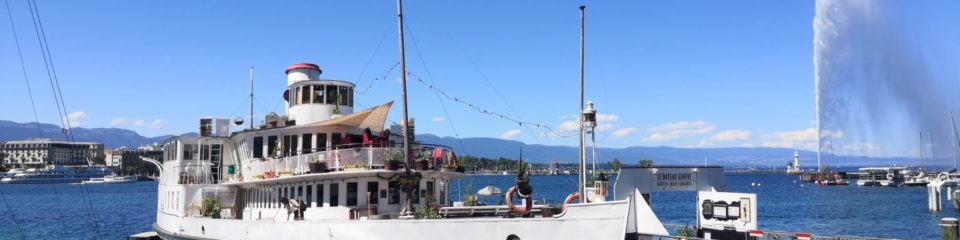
[258, 177]
[421, 163]
[316, 166]
[286, 173]
[269, 175]
[448, 167]
[393, 161]
[523, 180]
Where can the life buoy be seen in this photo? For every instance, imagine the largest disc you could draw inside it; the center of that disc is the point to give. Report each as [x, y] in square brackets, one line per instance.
[527, 201]
[570, 198]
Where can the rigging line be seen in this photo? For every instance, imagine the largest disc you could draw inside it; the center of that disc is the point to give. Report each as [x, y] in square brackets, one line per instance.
[23, 67]
[385, 75]
[376, 50]
[439, 99]
[45, 45]
[13, 215]
[484, 77]
[484, 111]
[53, 88]
[87, 202]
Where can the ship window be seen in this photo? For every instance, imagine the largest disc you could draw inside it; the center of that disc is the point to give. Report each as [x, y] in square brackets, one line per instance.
[286, 145]
[189, 151]
[443, 192]
[257, 147]
[286, 193]
[320, 188]
[318, 94]
[343, 96]
[309, 195]
[372, 189]
[307, 146]
[331, 94]
[272, 145]
[430, 192]
[334, 194]
[299, 192]
[296, 96]
[336, 139]
[306, 93]
[351, 194]
[350, 97]
[293, 145]
[322, 141]
[204, 152]
[279, 196]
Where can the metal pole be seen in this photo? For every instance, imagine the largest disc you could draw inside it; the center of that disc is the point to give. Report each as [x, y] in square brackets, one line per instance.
[933, 153]
[955, 140]
[583, 163]
[251, 98]
[403, 81]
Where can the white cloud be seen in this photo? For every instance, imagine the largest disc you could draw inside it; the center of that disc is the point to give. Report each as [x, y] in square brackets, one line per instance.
[677, 130]
[438, 119]
[76, 118]
[569, 126]
[726, 136]
[118, 121]
[623, 132]
[157, 123]
[607, 117]
[805, 139]
[138, 122]
[512, 133]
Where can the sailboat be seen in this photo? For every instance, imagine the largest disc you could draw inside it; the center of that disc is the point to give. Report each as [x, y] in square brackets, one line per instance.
[324, 171]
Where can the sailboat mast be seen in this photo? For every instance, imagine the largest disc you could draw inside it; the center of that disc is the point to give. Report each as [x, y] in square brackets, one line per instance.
[403, 80]
[955, 140]
[933, 150]
[921, 150]
[583, 162]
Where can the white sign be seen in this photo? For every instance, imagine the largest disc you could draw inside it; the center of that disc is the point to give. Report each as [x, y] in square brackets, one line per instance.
[726, 210]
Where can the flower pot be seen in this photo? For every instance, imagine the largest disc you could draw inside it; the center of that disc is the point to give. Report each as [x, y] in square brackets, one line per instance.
[318, 167]
[269, 175]
[448, 169]
[420, 165]
[391, 165]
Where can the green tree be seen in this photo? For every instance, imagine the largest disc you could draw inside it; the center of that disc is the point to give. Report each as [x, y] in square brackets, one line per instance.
[646, 163]
[615, 165]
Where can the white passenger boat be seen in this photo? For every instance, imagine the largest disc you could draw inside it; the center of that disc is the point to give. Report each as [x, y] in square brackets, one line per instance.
[111, 179]
[323, 171]
[56, 174]
[880, 176]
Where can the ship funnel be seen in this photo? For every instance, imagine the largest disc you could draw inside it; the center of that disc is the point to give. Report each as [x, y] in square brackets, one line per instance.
[302, 72]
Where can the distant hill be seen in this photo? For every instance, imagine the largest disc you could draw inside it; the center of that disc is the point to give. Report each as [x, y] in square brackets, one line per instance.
[110, 137]
[761, 157]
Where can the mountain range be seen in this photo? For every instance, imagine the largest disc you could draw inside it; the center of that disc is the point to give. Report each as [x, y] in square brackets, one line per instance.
[761, 157]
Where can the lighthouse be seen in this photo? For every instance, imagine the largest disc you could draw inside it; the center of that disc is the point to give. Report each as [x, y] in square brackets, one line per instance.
[794, 167]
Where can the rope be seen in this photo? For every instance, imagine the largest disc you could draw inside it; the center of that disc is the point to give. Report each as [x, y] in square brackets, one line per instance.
[487, 112]
[439, 99]
[23, 67]
[375, 50]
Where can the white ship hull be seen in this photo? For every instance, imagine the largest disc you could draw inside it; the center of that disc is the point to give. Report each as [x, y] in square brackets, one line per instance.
[580, 221]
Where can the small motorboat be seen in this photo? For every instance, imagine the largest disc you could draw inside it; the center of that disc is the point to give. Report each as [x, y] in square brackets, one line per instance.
[111, 179]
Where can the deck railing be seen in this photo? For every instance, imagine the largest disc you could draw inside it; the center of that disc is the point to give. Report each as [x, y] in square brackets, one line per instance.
[344, 158]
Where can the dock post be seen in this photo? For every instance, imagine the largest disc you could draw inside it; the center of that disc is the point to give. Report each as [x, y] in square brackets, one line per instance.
[933, 198]
[948, 226]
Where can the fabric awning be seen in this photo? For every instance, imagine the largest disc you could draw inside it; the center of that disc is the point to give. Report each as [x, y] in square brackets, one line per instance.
[372, 118]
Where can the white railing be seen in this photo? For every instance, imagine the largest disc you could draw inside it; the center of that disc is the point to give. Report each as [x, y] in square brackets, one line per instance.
[345, 159]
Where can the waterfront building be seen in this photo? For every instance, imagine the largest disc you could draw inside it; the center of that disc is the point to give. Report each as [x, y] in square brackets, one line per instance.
[42, 152]
[123, 157]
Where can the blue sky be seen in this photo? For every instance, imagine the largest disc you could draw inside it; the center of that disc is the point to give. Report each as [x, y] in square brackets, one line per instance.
[713, 74]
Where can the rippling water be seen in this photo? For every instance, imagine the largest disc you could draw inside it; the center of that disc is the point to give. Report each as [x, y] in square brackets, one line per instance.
[124, 209]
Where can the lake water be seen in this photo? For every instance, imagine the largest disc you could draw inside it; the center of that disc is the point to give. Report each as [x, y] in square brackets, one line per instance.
[124, 209]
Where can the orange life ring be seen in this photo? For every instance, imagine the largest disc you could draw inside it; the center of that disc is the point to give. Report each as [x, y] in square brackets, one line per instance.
[570, 198]
[527, 201]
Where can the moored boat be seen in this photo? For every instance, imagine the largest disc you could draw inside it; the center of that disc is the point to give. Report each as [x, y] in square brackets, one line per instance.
[110, 180]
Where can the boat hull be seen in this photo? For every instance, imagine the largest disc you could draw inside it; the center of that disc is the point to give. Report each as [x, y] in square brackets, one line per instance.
[583, 221]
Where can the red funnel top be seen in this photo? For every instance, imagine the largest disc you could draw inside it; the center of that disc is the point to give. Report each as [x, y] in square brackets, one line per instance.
[302, 65]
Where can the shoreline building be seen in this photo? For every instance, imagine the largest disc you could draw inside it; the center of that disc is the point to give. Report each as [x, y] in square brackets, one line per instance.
[124, 157]
[42, 152]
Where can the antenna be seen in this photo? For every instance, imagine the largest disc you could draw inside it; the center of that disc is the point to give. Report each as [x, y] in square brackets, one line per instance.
[251, 97]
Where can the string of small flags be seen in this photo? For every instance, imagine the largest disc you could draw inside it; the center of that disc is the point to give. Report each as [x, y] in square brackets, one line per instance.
[487, 112]
[385, 75]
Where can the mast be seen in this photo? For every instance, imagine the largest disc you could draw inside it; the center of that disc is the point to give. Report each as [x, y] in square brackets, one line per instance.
[933, 153]
[921, 151]
[583, 164]
[251, 97]
[403, 81]
[955, 140]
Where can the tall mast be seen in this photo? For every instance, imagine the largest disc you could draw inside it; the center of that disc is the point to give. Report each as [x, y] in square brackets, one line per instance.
[251, 97]
[583, 163]
[955, 140]
[921, 150]
[933, 153]
[403, 81]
